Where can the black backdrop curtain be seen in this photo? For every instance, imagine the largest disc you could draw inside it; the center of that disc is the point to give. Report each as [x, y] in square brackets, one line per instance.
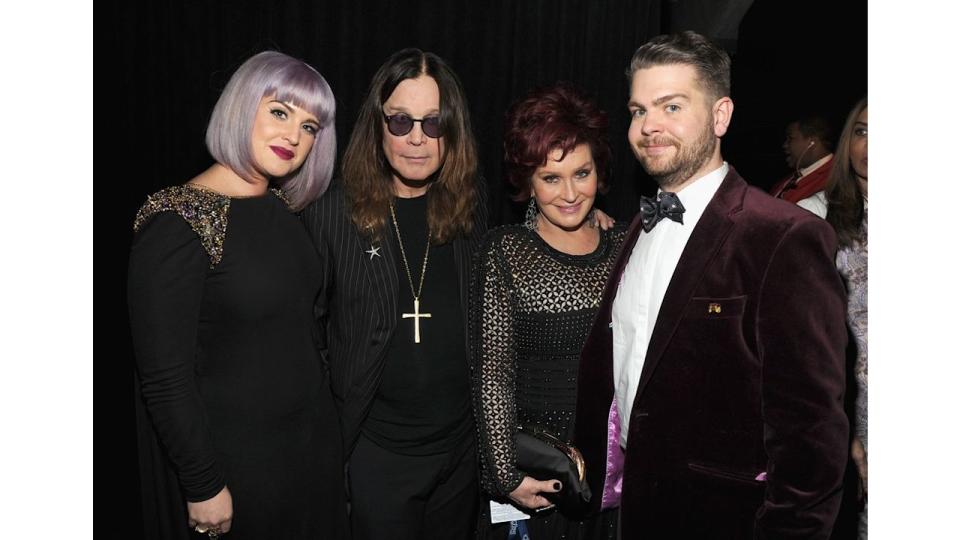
[160, 67]
[172, 59]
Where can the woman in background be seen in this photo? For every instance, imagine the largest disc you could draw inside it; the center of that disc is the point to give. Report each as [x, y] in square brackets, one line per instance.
[237, 427]
[536, 288]
[847, 212]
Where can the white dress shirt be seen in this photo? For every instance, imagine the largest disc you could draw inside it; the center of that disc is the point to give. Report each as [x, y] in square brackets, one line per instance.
[642, 287]
[814, 166]
[816, 203]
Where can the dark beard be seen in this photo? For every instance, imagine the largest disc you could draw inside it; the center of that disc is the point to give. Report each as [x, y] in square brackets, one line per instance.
[688, 160]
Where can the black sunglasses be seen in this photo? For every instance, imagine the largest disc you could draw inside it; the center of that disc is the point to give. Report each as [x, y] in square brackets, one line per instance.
[401, 123]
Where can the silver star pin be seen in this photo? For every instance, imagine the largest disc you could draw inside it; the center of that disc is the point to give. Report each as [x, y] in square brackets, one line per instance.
[373, 251]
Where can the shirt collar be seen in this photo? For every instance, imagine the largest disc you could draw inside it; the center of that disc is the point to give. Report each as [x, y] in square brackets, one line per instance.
[815, 165]
[697, 194]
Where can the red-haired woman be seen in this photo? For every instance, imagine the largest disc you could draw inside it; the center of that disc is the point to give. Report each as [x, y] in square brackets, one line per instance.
[535, 292]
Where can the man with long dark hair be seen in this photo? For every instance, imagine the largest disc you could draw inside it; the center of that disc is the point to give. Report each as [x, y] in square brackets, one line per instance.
[396, 234]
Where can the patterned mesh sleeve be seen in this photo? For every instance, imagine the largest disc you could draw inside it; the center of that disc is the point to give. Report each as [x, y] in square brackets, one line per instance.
[852, 263]
[493, 366]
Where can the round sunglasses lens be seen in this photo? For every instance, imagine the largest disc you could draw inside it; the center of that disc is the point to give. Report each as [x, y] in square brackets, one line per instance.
[399, 124]
[431, 126]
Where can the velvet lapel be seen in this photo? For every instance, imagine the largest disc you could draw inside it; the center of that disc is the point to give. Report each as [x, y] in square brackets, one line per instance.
[600, 333]
[704, 243]
[613, 281]
[612, 286]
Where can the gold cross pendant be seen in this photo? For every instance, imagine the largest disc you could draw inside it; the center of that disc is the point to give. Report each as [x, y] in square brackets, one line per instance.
[416, 316]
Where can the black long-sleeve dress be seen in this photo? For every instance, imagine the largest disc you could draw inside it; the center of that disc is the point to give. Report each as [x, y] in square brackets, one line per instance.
[232, 390]
[531, 307]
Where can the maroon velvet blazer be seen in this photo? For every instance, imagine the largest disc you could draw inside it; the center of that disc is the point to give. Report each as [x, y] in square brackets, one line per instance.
[743, 379]
[808, 185]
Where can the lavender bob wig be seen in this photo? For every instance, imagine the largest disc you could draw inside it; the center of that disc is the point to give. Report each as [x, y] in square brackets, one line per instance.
[293, 81]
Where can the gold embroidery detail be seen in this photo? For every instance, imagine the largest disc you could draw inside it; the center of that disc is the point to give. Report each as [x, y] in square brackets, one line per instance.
[282, 195]
[205, 210]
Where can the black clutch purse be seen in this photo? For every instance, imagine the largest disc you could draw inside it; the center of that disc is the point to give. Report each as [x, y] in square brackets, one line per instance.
[543, 456]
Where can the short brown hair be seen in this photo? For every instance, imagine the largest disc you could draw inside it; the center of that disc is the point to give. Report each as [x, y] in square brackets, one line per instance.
[555, 117]
[690, 48]
[816, 126]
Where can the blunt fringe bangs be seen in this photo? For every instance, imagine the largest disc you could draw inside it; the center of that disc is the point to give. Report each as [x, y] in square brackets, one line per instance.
[291, 81]
[555, 117]
[687, 48]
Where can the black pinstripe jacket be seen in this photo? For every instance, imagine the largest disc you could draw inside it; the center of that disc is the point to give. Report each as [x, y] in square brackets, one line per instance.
[357, 309]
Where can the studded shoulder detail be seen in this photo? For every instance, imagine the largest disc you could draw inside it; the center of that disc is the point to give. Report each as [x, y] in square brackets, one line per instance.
[205, 210]
[282, 195]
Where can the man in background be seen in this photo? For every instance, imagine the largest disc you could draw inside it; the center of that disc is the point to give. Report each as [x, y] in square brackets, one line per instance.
[808, 146]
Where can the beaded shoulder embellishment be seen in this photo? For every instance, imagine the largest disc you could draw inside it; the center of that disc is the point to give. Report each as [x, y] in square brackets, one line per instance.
[283, 197]
[206, 212]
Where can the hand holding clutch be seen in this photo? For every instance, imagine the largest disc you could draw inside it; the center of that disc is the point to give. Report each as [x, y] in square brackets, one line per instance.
[528, 493]
[544, 457]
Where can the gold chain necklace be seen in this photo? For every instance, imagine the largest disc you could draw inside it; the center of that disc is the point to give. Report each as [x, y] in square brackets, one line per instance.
[416, 315]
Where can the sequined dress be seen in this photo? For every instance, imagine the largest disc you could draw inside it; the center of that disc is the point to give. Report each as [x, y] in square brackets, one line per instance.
[231, 388]
[531, 308]
[852, 264]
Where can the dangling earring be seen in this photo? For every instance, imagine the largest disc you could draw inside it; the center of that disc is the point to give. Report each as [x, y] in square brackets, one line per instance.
[530, 220]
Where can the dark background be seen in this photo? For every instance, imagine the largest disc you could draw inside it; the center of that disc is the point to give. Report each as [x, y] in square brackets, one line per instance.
[161, 65]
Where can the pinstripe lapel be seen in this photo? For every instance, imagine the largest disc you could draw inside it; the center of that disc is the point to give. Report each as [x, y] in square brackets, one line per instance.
[376, 276]
[382, 279]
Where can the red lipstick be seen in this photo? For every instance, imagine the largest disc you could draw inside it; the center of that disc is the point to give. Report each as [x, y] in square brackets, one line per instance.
[282, 153]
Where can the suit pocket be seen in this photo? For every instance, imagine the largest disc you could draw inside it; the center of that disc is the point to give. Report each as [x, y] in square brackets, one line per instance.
[702, 307]
[727, 474]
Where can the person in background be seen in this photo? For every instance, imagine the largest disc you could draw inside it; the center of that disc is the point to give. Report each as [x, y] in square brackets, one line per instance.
[847, 213]
[237, 427]
[808, 148]
[396, 234]
[536, 290]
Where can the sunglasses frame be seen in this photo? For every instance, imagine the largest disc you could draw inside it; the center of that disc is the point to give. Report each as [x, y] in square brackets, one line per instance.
[413, 121]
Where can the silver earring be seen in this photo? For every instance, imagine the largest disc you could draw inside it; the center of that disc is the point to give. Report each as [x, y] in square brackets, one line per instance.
[530, 219]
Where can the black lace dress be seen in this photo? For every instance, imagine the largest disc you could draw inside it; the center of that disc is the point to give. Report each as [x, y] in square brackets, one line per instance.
[531, 307]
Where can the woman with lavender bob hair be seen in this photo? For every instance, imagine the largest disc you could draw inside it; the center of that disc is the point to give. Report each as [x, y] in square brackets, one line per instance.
[236, 423]
[294, 82]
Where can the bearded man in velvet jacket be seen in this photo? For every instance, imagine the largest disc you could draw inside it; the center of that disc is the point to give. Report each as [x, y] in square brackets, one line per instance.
[710, 401]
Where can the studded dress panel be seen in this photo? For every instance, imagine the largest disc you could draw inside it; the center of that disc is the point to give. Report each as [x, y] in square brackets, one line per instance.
[531, 307]
[205, 210]
[852, 264]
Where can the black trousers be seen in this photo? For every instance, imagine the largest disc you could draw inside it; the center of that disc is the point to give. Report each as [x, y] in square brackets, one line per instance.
[402, 497]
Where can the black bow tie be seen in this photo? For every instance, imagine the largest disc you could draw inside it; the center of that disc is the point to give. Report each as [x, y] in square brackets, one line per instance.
[666, 205]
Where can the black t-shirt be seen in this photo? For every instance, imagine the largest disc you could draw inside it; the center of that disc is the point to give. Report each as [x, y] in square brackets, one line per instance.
[423, 402]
